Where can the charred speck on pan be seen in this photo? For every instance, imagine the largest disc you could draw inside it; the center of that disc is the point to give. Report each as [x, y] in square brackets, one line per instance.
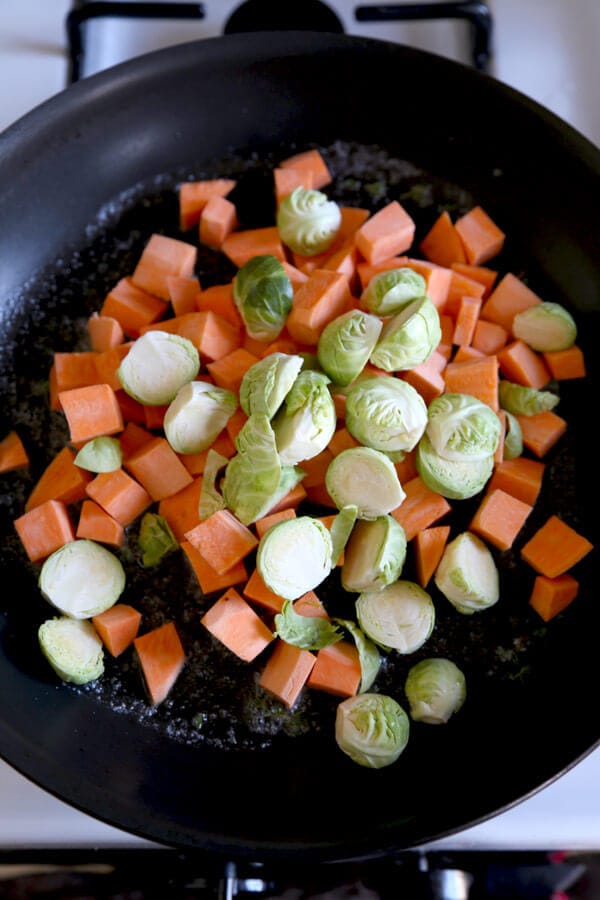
[216, 700]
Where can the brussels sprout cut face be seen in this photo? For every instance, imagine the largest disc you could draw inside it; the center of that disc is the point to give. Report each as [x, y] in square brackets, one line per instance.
[266, 384]
[461, 427]
[157, 366]
[409, 338]
[399, 617]
[436, 689]
[372, 729]
[82, 579]
[453, 479]
[307, 420]
[197, 415]
[73, 649]
[385, 413]
[375, 555]
[295, 556]
[308, 221]
[364, 478]
[467, 575]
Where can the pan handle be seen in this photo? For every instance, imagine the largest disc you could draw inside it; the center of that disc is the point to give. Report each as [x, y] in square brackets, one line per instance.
[83, 12]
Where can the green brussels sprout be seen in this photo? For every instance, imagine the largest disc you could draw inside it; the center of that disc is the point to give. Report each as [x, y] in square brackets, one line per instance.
[545, 327]
[368, 654]
[513, 437]
[101, 454]
[252, 476]
[409, 337]
[156, 539]
[461, 427]
[346, 344]
[211, 500]
[308, 221]
[306, 632]
[400, 616]
[341, 529]
[375, 554]
[389, 292]
[82, 579]
[294, 556]
[197, 415]
[435, 689]
[156, 366]
[263, 295]
[364, 478]
[385, 413]
[467, 574]
[372, 729]
[452, 478]
[524, 401]
[307, 420]
[73, 648]
[266, 383]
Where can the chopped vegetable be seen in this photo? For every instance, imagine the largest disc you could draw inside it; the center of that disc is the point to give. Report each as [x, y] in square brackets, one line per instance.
[462, 428]
[364, 478]
[306, 632]
[390, 291]
[375, 554]
[435, 689]
[295, 556]
[82, 579]
[546, 327]
[156, 539]
[308, 221]
[409, 337]
[456, 479]
[73, 649]
[157, 365]
[385, 413]
[307, 420]
[266, 384]
[263, 294]
[101, 454]
[524, 401]
[346, 344]
[161, 657]
[372, 729]
[197, 415]
[118, 627]
[400, 616]
[467, 574]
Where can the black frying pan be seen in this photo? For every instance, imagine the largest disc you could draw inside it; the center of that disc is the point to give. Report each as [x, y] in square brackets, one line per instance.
[84, 180]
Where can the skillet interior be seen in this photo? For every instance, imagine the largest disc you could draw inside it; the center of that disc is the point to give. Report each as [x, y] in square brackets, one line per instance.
[530, 712]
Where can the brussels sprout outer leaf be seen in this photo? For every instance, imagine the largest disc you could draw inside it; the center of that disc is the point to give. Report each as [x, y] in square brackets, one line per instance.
[346, 344]
[211, 500]
[524, 401]
[368, 654]
[306, 632]
[340, 530]
[252, 476]
[156, 539]
[101, 454]
[408, 338]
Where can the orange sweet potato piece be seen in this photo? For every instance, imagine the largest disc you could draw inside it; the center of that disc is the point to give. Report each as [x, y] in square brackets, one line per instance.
[477, 376]
[263, 525]
[242, 245]
[499, 518]
[209, 580]
[555, 548]
[60, 480]
[118, 627]
[222, 540]
[161, 657]
[163, 256]
[219, 299]
[428, 547]
[388, 232]
[489, 337]
[132, 307]
[520, 477]
[522, 365]
[91, 411]
[550, 596]
[233, 622]
[286, 672]
[287, 178]
[310, 161]
[104, 332]
[73, 370]
[257, 591]
[565, 364]
[480, 236]
[96, 524]
[442, 243]
[420, 508]
[183, 293]
[337, 670]
[120, 495]
[13, 454]
[509, 297]
[181, 509]
[323, 297]
[158, 469]
[228, 371]
[44, 529]
[194, 195]
[541, 431]
[217, 220]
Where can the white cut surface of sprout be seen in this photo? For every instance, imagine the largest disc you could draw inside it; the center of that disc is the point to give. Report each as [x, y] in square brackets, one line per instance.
[73, 648]
[82, 579]
[157, 365]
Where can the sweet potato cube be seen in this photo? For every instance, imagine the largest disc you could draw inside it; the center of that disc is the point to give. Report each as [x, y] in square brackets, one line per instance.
[162, 657]
[336, 670]
[163, 256]
[44, 529]
[233, 622]
[222, 540]
[91, 412]
[286, 672]
[555, 548]
[499, 518]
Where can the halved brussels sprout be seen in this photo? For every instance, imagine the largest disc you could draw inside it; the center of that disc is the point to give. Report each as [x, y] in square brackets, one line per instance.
[453, 479]
[400, 616]
[82, 579]
[375, 554]
[368, 654]
[252, 476]
[156, 539]
[364, 478]
[156, 366]
[409, 337]
[306, 632]
[266, 383]
[73, 648]
[308, 221]
[372, 729]
[513, 437]
[294, 556]
[346, 344]
[461, 427]
[467, 574]
[385, 413]
[101, 454]
[340, 531]
[524, 401]
[545, 327]
[263, 294]
[389, 292]
[307, 420]
[435, 689]
[197, 415]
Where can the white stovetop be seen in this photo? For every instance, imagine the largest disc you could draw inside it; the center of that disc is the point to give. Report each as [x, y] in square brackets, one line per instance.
[548, 50]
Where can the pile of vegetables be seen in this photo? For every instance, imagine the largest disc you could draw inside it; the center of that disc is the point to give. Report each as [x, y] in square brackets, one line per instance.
[322, 412]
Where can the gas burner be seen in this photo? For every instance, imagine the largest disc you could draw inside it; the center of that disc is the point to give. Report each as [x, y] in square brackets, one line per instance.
[388, 21]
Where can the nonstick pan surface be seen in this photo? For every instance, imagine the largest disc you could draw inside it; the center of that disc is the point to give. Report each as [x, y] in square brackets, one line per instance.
[85, 179]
